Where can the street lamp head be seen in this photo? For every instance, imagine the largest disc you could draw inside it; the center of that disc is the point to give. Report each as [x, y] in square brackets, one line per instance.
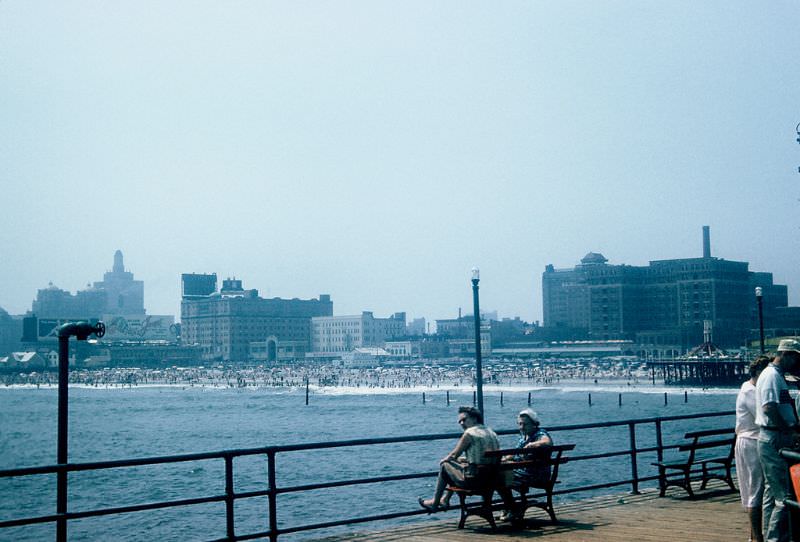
[476, 273]
[759, 291]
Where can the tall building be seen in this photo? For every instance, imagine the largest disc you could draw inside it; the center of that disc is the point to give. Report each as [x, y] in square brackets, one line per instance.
[224, 323]
[117, 300]
[664, 305]
[335, 335]
[10, 333]
[124, 295]
[117, 294]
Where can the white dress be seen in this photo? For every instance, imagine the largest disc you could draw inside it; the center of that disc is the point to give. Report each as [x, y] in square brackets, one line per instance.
[748, 466]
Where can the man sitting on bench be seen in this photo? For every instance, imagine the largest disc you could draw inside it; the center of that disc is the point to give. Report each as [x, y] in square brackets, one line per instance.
[531, 436]
[462, 466]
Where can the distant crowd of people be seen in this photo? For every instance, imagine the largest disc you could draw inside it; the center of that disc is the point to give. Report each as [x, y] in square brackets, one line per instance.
[331, 375]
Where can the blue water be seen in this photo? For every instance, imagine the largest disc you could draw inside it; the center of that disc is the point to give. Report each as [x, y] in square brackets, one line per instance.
[121, 423]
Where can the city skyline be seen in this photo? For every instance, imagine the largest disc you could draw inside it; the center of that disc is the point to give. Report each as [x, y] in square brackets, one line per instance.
[377, 152]
[118, 267]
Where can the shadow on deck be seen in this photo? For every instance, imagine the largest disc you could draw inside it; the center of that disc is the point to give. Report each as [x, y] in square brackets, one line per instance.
[715, 515]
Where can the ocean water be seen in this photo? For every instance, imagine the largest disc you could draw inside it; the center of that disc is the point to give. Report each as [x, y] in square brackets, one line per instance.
[108, 423]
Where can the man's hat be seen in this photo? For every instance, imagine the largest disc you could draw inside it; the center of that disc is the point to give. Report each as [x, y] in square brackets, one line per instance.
[789, 345]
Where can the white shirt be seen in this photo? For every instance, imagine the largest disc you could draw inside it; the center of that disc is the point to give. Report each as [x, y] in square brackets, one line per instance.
[483, 439]
[746, 412]
[772, 388]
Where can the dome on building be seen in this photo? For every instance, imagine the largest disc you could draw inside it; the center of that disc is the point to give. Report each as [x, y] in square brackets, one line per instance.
[594, 258]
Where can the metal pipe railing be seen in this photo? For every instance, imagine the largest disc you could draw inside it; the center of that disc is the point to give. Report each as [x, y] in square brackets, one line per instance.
[792, 457]
[273, 490]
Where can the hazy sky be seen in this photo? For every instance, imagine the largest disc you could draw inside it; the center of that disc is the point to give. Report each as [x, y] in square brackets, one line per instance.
[376, 151]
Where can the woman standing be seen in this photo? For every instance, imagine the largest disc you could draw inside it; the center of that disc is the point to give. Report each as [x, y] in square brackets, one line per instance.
[748, 466]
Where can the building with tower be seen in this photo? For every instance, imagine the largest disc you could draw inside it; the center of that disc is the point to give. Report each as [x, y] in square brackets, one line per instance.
[117, 300]
[124, 296]
[117, 294]
[665, 306]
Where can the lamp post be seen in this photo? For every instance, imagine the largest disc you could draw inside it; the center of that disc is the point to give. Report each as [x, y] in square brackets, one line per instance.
[81, 331]
[476, 278]
[760, 300]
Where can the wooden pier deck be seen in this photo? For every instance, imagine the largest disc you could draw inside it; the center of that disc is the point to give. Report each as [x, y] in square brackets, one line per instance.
[715, 515]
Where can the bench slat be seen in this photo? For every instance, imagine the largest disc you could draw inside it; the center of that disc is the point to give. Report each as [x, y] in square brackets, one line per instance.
[527, 451]
[708, 433]
[706, 444]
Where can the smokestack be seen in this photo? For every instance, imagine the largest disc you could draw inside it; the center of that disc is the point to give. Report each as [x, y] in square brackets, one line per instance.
[706, 242]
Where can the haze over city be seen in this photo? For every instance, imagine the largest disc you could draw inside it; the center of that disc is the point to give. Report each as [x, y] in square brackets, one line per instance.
[378, 151]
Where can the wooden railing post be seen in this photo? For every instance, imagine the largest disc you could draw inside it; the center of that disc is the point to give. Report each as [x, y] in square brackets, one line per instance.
[634, 464]
[229, 497]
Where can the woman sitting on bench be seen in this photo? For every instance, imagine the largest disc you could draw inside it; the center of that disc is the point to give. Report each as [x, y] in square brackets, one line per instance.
[461, 466]
[531, 436]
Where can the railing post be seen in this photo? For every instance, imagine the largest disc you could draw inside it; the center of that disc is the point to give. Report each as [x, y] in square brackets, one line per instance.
[659, 442]
[63, 417]
[634, 464]
[229, 496]
[273, 497]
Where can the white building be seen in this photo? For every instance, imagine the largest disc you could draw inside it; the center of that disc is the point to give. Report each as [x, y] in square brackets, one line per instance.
[402, 349]
[336, 335]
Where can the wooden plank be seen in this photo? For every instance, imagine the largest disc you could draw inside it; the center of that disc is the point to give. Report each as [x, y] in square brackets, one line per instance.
[715, 516]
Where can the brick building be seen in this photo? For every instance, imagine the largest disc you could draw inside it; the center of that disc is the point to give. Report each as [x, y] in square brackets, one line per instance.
[224, 323]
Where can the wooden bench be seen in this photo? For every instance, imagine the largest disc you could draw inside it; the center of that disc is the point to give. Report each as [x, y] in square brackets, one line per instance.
[700, 440]
[492, 478]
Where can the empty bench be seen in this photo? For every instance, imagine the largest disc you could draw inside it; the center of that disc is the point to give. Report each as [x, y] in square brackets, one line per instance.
[679, 473]
[492, 478]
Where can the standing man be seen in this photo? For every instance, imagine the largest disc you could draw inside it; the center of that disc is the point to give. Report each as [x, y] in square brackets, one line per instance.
[777, 419]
